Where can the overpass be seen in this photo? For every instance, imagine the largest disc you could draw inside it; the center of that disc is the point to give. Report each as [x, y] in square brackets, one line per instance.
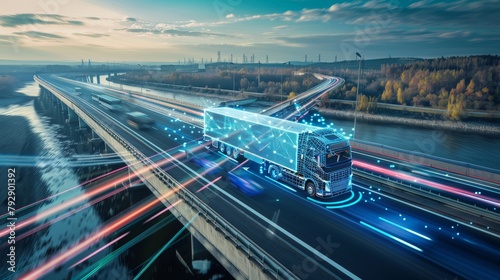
[308, 241]
[296, 108]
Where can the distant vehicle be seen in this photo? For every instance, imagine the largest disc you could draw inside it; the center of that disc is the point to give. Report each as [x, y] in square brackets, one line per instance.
[95, 97]
[245, 184]
[78, 90]
[212, 167]
[317, 160]
[140, 120]
[110, 103]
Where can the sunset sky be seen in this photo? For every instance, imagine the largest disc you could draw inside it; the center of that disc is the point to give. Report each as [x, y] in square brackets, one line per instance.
[169, 31]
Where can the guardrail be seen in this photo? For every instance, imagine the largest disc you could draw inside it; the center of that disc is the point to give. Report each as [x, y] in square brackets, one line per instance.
[463, 207]
[463, 168]
[253, 251]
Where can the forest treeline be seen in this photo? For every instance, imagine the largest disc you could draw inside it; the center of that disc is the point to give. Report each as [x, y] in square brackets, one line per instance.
[455, 84]
[271, 79]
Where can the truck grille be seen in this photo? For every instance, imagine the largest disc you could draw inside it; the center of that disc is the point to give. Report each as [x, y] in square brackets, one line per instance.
[340, 175]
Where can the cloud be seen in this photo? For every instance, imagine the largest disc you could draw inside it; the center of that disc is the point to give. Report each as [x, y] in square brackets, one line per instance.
[422, 13]
[230, 16]
[175, 32]
[129, 19]
[39, 35]
[29, 19]
[92, 35]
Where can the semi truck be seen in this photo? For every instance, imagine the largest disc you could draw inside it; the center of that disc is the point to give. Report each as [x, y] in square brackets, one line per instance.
[317, 160]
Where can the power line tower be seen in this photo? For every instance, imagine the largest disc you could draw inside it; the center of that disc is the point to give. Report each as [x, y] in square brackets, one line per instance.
[319, 57]
[267, 58]
[252, 59]
[231, 60]
[218, 56]
[305, 60]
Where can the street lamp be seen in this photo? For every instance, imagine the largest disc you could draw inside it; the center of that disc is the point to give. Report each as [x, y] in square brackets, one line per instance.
[357, 91]
[281, 88]
[233, 72]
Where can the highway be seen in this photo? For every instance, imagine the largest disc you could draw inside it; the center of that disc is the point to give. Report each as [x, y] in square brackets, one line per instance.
[368, 233]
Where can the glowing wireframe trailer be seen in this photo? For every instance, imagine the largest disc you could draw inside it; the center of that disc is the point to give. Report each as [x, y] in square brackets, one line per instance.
[270, 138]
[303, 155]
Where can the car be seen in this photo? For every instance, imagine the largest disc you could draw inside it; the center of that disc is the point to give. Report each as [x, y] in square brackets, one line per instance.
[211, 167]
[245, 183]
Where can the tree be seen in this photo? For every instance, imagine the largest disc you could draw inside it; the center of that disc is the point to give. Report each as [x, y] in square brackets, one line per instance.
[401, 99]
[388, 94]
[362, 103]
[244, 83]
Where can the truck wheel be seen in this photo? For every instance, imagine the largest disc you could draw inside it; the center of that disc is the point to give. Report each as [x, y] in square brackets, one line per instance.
[229, 150]
[274, 172]
[236, 153]
[310, 189]
[222, 147]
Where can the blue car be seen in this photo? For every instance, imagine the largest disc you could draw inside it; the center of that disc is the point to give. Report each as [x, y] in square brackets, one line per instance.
[212, 167]
[245, 183]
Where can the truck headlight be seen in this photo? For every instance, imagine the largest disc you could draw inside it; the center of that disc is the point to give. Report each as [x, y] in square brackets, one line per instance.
[327, 187]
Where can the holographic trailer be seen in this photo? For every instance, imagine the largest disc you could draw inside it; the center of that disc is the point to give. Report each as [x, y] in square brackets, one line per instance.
[317, 160]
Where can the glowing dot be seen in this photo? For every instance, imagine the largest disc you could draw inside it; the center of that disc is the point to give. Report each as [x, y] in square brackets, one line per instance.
[425, 226]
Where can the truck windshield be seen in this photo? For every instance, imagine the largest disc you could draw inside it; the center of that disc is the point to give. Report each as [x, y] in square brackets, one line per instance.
[334, 157]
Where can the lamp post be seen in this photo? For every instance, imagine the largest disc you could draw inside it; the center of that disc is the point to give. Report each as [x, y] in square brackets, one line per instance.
[281, 86]
[232, 68]
[357, 91]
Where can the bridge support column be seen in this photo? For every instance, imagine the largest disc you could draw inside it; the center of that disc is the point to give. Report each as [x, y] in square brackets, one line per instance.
[82, 124]
[98, 78]
[72, 117]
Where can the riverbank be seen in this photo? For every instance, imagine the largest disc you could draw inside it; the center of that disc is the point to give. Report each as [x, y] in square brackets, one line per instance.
[471, 126]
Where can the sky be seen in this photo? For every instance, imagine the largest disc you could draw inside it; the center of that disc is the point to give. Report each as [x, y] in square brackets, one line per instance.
[279, 31]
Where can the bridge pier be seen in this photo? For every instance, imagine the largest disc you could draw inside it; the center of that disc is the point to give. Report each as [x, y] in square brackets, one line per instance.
[82, 124]
[98, 78]
[72, 117]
